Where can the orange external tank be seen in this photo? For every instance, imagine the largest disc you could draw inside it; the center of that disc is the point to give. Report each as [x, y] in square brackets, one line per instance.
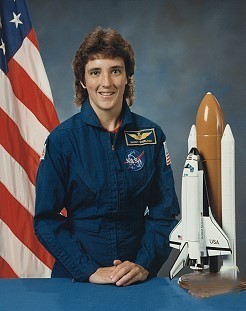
[210, 128]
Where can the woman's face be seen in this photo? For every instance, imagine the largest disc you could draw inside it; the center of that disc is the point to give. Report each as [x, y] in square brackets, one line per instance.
[105, 80]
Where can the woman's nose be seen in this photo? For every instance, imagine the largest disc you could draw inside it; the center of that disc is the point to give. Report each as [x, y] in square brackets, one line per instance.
[106, 81]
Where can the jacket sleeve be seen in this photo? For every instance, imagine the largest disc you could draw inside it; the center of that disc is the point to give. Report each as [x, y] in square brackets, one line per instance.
[50, 226]
[160, 220]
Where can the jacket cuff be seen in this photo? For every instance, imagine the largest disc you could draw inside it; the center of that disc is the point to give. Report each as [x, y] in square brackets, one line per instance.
[84, 276]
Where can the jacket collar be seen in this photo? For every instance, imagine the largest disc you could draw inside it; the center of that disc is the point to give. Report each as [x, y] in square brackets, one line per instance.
[89, 116]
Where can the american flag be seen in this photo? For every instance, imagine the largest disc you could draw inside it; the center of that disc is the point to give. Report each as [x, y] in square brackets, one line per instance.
[27, 115]
[167, 155]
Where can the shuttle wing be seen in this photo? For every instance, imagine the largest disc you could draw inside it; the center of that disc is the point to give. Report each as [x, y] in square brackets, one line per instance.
[217, 243]
[180, 262]
[175, 237]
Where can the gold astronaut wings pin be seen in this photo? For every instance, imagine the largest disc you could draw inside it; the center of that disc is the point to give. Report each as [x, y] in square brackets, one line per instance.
[141, 137]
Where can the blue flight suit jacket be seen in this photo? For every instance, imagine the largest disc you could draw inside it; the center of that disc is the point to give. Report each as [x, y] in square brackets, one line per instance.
[120, 197]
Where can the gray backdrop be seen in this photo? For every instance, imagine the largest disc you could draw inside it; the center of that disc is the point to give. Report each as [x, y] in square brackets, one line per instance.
[183, 50]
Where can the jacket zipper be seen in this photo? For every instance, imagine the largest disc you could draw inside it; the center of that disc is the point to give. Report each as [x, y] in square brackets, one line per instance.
[113, 144]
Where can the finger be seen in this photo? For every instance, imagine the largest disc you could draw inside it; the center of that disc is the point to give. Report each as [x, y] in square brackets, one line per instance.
[118, 265]
[128, 278]
[126, 265]
[117, 262]
[122, 270]
[131, 281]
[138, 273]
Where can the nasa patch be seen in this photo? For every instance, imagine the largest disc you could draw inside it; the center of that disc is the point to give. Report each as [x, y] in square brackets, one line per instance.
[134, 160]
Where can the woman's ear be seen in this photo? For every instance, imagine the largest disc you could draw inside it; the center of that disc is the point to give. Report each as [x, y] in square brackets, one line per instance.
[127, 80]
[83, 86]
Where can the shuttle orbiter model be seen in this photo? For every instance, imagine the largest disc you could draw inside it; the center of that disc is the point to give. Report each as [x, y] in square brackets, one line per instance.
[207, 226]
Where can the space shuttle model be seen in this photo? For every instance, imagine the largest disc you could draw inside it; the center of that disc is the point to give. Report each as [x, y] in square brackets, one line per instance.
[206, 231]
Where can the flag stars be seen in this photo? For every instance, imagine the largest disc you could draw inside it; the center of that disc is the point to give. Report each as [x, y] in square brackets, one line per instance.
[2, 46]
[16, 19]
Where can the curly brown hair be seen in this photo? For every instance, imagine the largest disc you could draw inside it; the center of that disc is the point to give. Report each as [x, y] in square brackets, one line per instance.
[106, 43]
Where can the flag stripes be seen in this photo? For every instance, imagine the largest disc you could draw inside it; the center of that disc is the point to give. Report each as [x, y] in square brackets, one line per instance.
[6, 270]
[33, 61]
[19, 184]
[27, 115]
[30, 128]
[23, 229]
[19, 150]
[32, 95]
[22, 261]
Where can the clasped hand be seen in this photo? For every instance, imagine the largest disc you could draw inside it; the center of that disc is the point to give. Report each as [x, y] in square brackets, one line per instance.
[121, 274]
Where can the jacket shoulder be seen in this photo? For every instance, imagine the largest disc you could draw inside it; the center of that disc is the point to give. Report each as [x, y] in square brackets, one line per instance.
[142, 123]
[68, 125]
[71, 123]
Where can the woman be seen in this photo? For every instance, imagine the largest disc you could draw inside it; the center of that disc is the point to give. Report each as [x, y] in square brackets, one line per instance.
[110, 169]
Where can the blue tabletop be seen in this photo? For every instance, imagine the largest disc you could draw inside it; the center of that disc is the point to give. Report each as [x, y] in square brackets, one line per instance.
[153, 295]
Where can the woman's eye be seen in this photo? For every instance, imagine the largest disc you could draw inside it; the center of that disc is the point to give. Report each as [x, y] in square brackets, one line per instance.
[116, 71]
[94, 73]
